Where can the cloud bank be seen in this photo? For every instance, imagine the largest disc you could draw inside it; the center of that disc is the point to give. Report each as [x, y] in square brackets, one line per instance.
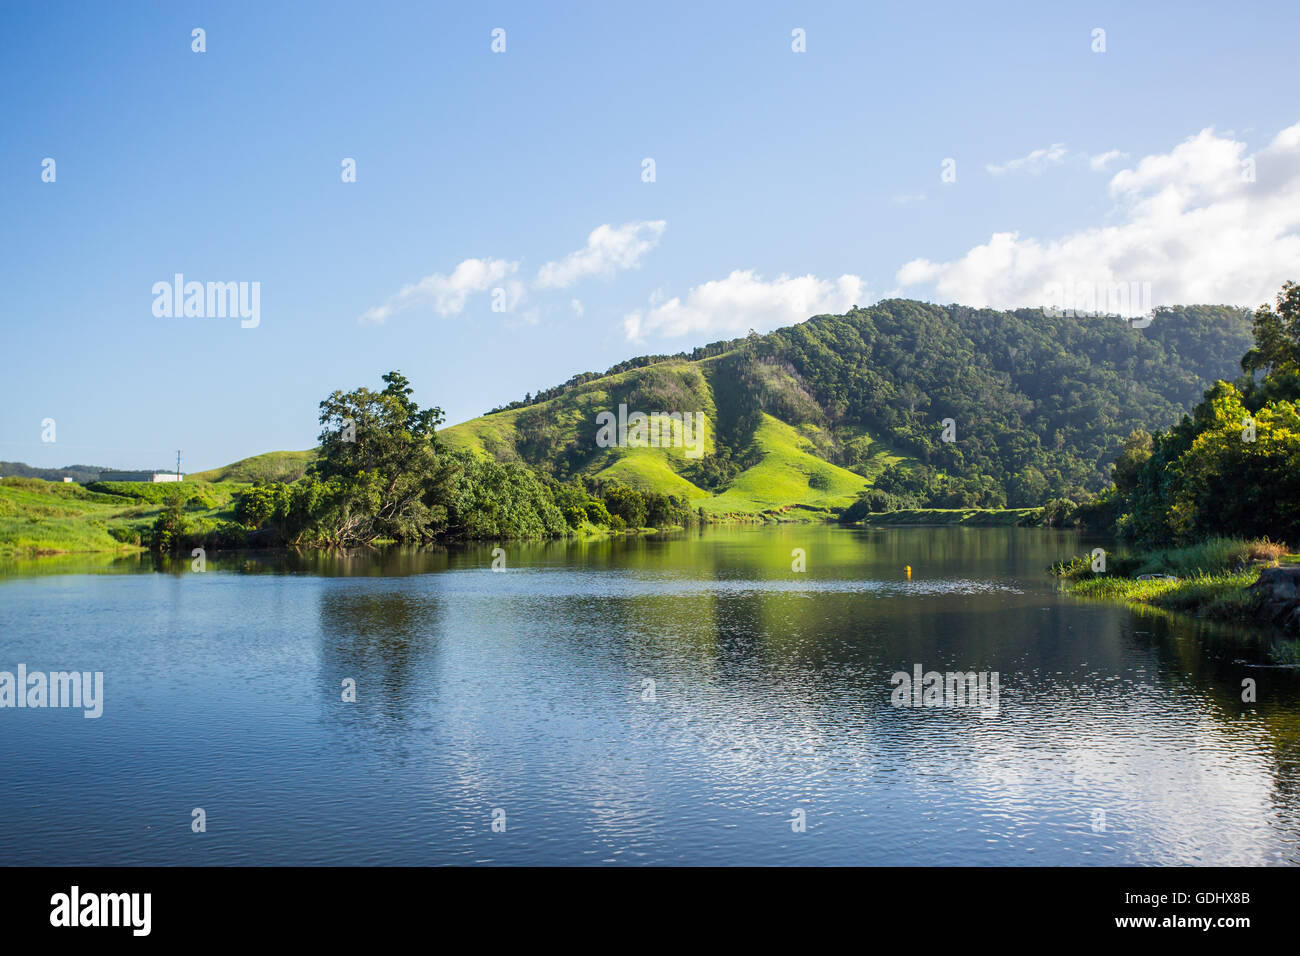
[608, 250]
[1203, 223]
[744, 301]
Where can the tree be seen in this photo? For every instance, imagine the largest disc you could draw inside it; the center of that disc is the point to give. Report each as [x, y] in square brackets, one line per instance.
[626, 503]
[258, 505]
[379, 458]
[170, 526]
[1134, 453]
[1277, 335]
[1233, 466]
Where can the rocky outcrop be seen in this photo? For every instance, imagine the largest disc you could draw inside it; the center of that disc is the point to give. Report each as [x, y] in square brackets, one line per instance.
[1278, 593]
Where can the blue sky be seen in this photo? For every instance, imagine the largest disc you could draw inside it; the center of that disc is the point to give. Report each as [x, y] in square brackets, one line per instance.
[785, 183]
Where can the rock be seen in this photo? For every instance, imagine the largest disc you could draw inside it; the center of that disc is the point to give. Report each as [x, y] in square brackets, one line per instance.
[1278, 590]
[1280, 584]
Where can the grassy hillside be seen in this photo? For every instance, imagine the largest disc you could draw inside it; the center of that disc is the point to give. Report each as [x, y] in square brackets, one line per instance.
[810, 416]
[43, 517]
[38, 515]
[267, 467]
[788, 473]
[806, 418]
[778, 466]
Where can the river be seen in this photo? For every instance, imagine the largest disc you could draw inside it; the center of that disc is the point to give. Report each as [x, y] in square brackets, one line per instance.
[683, 698]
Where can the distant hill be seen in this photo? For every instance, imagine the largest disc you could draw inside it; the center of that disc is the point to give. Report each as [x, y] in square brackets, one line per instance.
[270, 466]
[78, 473]
[813, 414]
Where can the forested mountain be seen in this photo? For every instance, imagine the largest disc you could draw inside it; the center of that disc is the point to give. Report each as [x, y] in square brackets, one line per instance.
[1232, 467]
[82, 473]
[901, 405]
[816, 413]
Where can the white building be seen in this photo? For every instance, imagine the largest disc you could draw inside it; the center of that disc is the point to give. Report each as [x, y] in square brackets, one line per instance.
[155, 477]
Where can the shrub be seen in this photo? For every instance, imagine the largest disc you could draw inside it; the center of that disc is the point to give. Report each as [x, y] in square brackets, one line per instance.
[873, 501]
[597, 513]
[1059, 512]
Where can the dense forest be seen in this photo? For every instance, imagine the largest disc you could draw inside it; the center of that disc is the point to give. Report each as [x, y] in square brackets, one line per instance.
[1039, 403]
[900, 405]
[1231, 467]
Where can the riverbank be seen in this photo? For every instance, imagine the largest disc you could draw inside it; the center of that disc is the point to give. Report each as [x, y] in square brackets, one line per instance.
[1222, 579]
[40, 519]
[945, 517]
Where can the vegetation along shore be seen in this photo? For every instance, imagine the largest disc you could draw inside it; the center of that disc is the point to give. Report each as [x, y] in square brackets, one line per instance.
[904, 413]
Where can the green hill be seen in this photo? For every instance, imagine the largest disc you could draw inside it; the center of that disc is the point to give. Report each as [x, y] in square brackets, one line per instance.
[811, 415]
[802, 421]
[267, 467]
[38, 516]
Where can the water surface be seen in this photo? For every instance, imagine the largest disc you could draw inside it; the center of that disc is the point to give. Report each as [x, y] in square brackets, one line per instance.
[660, 700]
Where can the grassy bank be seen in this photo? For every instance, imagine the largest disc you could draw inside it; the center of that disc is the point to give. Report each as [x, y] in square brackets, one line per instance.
[1210, 579]
[1223, 597]
[969, 517]
[44, 517]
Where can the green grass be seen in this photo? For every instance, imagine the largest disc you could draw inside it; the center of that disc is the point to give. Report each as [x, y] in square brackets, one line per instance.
[1223, 596]
[790, 474]
[969, 517]
[491, 435]
[284, 466]
[1212, 557]
[1211, 579]
[649, 469]
[44, 517]
[147, 492]
[786, 475]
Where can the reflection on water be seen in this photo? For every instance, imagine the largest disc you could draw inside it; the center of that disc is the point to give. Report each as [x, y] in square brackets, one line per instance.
[647, 700]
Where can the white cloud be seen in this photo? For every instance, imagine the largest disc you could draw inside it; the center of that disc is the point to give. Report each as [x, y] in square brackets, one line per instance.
[577, 307]
[1102, 160]
[447, 294]
[1035, 162]
[744, 301]
[608, 249]
[1188, 222]
[918, 271]
[903, 199]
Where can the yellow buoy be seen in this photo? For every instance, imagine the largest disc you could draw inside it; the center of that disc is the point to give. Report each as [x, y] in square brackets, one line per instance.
[907, 568]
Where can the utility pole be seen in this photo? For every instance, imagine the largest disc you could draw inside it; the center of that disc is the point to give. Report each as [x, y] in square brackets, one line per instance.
[178, 464]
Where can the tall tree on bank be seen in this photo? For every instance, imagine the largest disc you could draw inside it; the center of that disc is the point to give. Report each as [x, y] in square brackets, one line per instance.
[382, 465]
[1233, 466]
